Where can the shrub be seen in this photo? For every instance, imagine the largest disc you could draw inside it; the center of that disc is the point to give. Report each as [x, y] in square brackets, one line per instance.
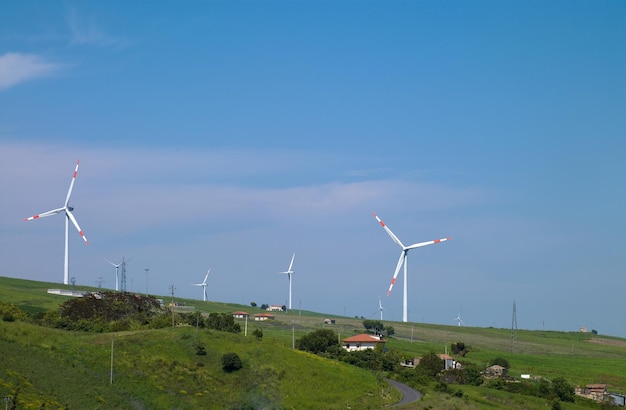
[258, 333]
[500, 361]
[231, 362]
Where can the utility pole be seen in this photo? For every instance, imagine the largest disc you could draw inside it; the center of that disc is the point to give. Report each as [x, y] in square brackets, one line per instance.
[172, 289]
[514, 329]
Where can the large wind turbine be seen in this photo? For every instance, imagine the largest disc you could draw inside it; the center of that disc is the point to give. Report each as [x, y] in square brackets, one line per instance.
[404, 260]
[117, 276]
[290, 272]
[203, 284]
[68, 217]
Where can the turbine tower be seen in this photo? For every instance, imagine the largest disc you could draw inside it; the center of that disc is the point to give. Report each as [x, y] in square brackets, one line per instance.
[290, 272]
[203, 284]
[68, 217]
[380, 308]
[403, 261]
[117, 276]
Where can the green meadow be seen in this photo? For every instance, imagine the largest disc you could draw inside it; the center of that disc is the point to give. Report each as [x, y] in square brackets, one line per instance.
[161, 368]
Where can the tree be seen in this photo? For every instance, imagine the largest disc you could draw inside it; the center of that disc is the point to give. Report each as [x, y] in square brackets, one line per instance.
[459, 348]
[562, 389]
[223, 322]
[500, 361]
[390, 330]
[373, 325]
[264, 306]
[431, 364]
[253, 304]
[231, 362]
[318, 341]
[258, 333]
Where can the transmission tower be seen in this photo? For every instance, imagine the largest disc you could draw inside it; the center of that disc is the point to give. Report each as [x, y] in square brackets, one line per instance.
[123, 276]
[514, 329]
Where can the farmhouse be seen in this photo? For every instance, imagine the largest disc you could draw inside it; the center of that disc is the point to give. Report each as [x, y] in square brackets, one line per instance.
[263, 316]
[595, 392]
[275, 308]
[240, 315]
[329, 321]
[362, 342]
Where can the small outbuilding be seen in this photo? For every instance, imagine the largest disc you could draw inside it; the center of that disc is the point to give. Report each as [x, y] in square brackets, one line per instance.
[263, 316]
[240, 315]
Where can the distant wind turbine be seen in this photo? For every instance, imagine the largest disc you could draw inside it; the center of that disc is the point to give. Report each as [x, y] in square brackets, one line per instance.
[203, 284]
[404, 260]
[68, 217]
[458, 318]
[290, 272]
[380, 308]
[117, 276]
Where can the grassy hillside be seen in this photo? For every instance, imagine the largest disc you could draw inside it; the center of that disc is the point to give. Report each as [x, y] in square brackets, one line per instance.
[160, 369]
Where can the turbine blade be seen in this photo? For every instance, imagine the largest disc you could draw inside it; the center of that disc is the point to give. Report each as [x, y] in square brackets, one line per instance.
[395, 275]
[394, 237]
[291, 264]
[69, 214]
[419, 245]
[206, 276]
[43, 215]
[69, 191]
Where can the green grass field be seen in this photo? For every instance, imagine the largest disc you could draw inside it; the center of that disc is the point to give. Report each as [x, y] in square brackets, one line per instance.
[159, 369]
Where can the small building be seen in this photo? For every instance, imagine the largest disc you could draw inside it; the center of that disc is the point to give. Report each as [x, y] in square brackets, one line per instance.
[595, 392]
[240, 315]
[448, 361]
[275, 308]
[363, 341]
[617, 399]
[263, 316]
[329, 321]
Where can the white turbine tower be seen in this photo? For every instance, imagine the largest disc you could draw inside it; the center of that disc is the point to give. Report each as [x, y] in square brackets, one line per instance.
[404, 260]
[290, 272]
[458, 318]
[380, 308]
[117, 276]
[68, 217]
[203, 284]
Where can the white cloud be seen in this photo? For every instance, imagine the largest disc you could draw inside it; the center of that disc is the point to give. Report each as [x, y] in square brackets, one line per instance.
[16, 68]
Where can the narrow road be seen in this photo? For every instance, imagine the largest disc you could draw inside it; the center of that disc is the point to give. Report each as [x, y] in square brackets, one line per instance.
[409, 395]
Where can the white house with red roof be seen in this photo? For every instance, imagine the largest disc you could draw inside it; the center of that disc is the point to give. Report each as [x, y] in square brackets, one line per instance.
[362, 342]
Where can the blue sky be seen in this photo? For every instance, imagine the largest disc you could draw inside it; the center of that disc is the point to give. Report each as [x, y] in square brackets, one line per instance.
[232, 134]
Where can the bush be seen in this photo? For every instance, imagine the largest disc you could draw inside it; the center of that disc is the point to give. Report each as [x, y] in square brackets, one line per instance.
[318, 341]
[500, 361]
[231, 362]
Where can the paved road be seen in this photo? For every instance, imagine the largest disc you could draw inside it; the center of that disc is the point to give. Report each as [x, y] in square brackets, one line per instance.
[409, 395]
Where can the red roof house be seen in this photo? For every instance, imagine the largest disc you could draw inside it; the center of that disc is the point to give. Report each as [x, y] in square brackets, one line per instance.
[362, 342]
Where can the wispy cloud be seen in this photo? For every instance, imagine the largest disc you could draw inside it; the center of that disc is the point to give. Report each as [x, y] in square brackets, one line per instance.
[16, 68]
[85, 31]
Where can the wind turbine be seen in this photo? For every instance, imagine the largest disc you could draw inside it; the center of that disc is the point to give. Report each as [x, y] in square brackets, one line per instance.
[68, 217]
[203, 284]
[290, 272]
[458, 318]
[404, 260]
[380, 308]
[117, 277]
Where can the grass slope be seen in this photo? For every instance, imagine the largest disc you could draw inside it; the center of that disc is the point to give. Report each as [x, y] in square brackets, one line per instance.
[156, 369]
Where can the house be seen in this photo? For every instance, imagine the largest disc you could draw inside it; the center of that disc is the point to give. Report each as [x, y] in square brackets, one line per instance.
[275, 308]
[448, 361]
[240, 315]
[329, 321]
[595, 392]
[363, 341]
[263, 316]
